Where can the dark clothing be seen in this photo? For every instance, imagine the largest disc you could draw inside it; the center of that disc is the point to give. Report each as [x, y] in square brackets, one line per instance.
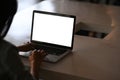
[11, 67]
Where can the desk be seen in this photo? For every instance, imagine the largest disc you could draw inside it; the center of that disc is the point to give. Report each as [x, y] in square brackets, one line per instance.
[92, 58]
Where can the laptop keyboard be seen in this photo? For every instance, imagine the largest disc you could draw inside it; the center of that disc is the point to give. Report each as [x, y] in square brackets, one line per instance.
[51, 50]
[54, 54]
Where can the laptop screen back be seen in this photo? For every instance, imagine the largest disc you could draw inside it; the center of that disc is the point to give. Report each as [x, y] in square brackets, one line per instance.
[53, 28]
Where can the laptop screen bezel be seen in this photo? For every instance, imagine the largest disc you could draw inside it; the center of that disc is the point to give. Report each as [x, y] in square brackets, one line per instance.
[49, 44]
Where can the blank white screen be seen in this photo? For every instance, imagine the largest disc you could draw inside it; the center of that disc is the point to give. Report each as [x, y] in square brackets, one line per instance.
[53, 29]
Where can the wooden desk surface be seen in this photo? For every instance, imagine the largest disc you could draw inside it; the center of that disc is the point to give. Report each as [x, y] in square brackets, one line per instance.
[92, 58]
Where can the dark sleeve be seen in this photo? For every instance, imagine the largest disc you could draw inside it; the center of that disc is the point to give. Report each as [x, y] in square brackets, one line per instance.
[16, 68]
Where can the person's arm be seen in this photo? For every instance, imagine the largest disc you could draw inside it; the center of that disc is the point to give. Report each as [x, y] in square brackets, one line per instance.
[36, 58]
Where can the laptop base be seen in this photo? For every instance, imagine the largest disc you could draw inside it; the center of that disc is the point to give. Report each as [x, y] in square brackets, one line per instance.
[49, 57]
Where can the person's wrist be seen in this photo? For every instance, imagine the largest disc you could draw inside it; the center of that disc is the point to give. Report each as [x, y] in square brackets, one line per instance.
[35, 64]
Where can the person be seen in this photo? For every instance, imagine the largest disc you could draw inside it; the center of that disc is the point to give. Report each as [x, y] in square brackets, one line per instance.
[11, 66]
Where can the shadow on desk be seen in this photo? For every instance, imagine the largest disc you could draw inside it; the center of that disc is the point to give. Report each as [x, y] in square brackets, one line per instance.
[50, 75]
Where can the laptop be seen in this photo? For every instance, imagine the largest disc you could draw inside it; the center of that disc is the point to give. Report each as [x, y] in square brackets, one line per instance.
[52, 32]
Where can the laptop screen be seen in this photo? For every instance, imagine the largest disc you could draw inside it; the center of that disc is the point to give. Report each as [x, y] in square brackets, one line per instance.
[53, 28]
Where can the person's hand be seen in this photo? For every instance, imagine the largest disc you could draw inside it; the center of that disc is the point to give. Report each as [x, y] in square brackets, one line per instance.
[26, 47]
[36, 58]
